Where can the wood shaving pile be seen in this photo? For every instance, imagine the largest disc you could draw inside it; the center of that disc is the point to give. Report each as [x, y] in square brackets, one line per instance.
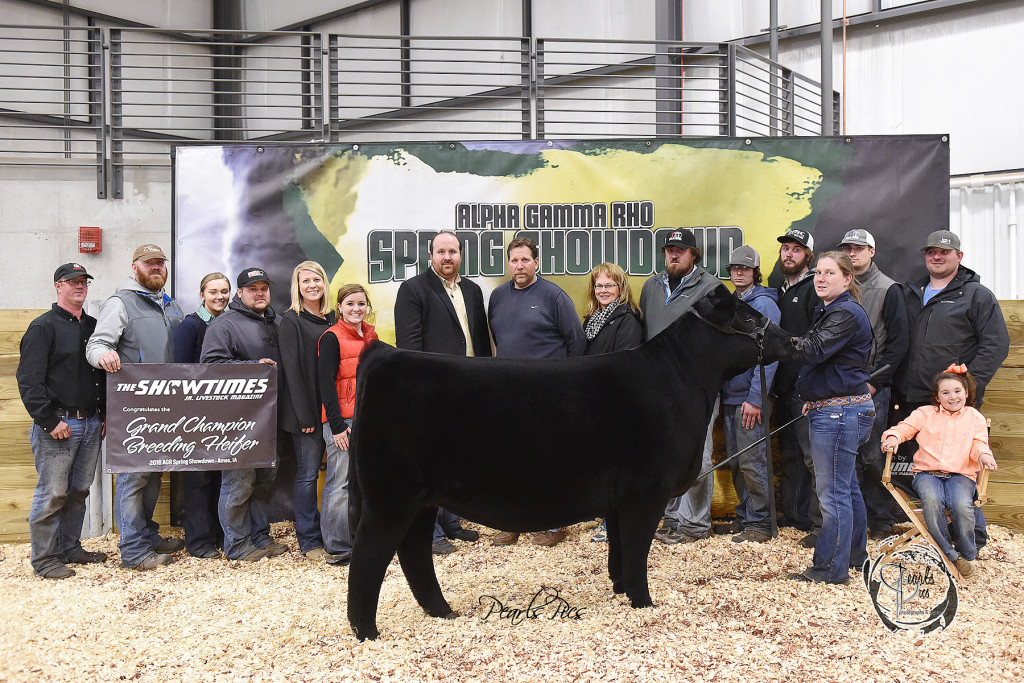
[724, 611]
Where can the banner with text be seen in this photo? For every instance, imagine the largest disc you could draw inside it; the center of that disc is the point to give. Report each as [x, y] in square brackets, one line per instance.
[171, 416]
[367, 212]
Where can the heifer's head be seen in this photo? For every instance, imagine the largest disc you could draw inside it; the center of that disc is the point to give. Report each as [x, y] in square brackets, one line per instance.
[725, 312]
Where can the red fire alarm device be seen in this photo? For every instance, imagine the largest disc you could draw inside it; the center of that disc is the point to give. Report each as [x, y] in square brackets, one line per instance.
[90, 240]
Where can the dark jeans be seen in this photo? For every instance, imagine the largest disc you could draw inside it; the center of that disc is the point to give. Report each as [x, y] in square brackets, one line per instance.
[798, 501]
[66, 469]
[309, 454]
[199, 516]
[955, 493]
[881, 508]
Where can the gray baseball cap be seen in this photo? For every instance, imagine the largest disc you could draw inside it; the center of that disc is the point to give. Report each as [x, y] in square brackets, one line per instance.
[745, 256]
[942, 239]
[858, 236]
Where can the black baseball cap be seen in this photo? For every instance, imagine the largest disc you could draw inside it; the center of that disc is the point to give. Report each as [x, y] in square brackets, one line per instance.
[801, 237]
[680, 238]
[251, 275]
[70, 271]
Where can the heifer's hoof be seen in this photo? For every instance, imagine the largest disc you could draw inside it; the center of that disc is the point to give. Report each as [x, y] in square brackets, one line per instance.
[618, 589]
[366, 633]
[641, 602]
[452, 615]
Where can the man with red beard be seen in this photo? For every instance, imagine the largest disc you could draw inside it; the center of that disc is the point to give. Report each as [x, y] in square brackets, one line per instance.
[797, 300]
[136, 325]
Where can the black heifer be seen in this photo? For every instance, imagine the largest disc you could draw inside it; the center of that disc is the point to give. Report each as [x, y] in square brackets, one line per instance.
[527, 445]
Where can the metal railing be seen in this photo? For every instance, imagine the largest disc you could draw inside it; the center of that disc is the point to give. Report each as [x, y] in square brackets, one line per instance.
[114, 98]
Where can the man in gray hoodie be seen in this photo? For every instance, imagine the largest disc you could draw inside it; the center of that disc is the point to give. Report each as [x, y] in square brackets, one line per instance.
[247, 332]
[136, 325]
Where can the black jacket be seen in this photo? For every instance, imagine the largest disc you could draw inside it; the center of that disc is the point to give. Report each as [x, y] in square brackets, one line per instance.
[300, 334]
[796, 307]
[620, 332]
[961, 324]
[53, 373]
[425, 318]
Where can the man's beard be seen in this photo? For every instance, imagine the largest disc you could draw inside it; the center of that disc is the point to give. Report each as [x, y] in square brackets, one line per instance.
[794, 269]
[153, 282]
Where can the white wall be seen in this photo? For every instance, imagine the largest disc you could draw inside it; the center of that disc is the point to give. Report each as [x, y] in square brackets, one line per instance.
[955, 72]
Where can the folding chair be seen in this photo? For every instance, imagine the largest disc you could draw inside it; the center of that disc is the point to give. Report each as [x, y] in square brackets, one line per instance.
[912, 508]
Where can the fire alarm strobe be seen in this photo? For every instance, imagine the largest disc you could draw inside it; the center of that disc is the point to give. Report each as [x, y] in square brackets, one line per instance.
[90, 240]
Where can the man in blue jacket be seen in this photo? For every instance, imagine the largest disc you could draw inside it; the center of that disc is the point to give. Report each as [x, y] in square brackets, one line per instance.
[743, 412]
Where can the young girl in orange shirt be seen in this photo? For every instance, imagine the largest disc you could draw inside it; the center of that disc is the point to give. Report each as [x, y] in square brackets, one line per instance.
[952, 439]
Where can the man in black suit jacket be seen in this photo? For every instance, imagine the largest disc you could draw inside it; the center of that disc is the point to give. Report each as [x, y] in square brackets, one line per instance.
[441, 312]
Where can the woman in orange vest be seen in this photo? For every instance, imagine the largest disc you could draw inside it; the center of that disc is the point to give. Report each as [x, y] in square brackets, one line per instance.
[339, 351]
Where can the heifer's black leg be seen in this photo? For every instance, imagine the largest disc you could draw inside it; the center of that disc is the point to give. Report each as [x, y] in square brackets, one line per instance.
[418, 565]
[614, 552]
[376, 541]
[637, 525]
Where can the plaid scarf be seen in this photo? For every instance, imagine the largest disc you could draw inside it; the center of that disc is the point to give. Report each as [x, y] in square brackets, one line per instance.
[597, 321]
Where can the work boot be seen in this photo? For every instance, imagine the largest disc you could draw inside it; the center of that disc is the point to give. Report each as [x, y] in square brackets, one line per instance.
[275, 549]
[58, 572]
[152, 561]
[549, 539]
[680, 536]
[169, 545]
[316, 554]
[965, 568]
[752, 536]
[254, 555]
[86, 557]
[442, 547]
[505, 538]
[468, 535]
[809, 541]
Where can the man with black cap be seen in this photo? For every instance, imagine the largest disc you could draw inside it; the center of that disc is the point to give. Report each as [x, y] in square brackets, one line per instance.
[798, 502]
[953, 318]
[64, 396]
[247, 331]
[664, 297]
[742, 410]
[882, 298]
[136, 325]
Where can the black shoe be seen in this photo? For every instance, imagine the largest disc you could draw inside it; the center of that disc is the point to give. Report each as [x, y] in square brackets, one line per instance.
[462, 534]
[803, 576]
[168, 546]
[752, 536]
[86, 557]
[208, 554]
[880, 533]
[442, 547]
[809, 541]
[733, 527]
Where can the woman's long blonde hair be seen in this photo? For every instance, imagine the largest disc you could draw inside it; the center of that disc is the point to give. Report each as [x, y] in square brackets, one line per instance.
[325, 299]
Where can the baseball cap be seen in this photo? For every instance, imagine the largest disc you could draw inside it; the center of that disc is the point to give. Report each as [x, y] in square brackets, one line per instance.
[145, 252]
[70, 271]
[943, 239]
[801, 237]
[745, 256]
[681, 239]
[251, 275]
[858, 236]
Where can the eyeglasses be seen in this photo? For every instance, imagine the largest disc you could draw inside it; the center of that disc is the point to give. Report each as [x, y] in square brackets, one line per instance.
[76, 283]
[604, 286]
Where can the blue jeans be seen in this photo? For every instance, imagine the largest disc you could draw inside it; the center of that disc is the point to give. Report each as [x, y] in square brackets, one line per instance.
[334, 519]
[309, 453]
[882, 509]
[836, 432]
[749, 471]
[956, 494]
[244, 500]
[134, 503]
[691, 512]
[66, 469]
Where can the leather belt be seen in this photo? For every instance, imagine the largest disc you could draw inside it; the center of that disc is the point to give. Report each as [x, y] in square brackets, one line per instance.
[837, 401]
[76, 414]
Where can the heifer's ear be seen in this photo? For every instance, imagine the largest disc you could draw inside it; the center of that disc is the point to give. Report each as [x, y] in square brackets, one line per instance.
[718, 306]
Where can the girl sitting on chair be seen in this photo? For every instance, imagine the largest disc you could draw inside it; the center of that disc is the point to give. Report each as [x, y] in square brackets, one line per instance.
[952, 439]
